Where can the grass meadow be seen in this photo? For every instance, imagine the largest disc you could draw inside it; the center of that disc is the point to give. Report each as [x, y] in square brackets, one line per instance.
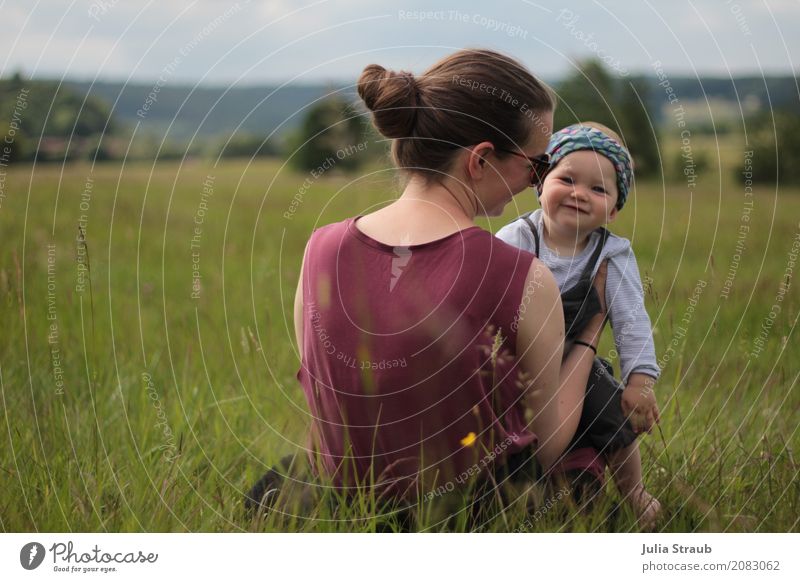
[147, 360]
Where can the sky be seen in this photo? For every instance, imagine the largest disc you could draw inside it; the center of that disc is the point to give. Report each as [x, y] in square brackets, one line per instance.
[253, 42]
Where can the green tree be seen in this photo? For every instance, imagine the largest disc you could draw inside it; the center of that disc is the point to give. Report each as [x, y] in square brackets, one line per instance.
[592, 93]
[774, 139]
[588, 94]
[638, 127]
[48, 113]
[72, 116]
[332, 130]
[19, 146]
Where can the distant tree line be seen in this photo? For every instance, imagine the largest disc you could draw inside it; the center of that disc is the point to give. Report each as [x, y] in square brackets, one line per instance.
[48, 121]
[42, 120]
[627, 105]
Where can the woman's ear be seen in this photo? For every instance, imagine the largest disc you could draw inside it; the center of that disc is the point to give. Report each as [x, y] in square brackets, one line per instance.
[476, 159]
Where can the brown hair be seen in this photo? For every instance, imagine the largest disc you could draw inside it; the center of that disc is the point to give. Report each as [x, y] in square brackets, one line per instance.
[471, 96]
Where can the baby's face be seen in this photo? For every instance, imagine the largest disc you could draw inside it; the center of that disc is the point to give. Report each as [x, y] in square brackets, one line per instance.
[581, 192]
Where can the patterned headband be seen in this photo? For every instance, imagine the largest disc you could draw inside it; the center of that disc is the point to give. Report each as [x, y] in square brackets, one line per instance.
[581, 137]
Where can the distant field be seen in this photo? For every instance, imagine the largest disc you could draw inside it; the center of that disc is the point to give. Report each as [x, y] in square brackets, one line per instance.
[130, 405]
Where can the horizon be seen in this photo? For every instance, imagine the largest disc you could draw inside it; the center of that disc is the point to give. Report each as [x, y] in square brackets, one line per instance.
[343, 83]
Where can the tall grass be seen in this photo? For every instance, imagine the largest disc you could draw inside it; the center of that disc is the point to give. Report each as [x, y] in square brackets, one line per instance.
[172, 406]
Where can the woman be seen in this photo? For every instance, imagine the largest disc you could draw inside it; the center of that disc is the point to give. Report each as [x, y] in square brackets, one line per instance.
[431, 350]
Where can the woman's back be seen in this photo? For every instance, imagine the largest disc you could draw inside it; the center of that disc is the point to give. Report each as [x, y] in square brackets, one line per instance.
[398, 361]
[406, 384]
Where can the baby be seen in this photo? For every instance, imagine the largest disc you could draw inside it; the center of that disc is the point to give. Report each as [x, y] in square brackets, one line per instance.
[584, 190]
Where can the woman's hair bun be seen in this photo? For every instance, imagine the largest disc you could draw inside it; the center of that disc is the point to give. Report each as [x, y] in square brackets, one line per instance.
[430, 118]
[393, 99]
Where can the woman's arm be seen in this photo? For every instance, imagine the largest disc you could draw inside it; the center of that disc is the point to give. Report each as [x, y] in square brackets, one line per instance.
[298, 309]
[555, 389]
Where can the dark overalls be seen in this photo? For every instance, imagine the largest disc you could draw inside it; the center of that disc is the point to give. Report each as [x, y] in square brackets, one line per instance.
[602, 426]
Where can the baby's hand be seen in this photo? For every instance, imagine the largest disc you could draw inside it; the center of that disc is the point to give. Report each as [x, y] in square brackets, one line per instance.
[639, 403]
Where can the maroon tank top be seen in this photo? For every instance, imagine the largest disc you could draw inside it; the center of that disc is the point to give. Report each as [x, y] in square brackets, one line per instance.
[409, 364]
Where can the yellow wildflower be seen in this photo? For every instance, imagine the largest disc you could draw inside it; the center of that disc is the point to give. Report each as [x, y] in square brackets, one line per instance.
[469, 440]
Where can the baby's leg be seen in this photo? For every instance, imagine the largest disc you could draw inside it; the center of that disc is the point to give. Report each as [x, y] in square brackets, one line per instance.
[626, 470]
[609, 431]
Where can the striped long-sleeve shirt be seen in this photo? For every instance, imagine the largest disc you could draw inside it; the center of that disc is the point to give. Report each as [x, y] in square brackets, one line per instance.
[633, 334]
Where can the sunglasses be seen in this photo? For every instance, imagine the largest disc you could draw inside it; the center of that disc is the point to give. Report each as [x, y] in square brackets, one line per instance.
[539, 166]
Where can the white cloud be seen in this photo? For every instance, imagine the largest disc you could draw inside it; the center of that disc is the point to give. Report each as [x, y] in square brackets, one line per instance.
[342, 34]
